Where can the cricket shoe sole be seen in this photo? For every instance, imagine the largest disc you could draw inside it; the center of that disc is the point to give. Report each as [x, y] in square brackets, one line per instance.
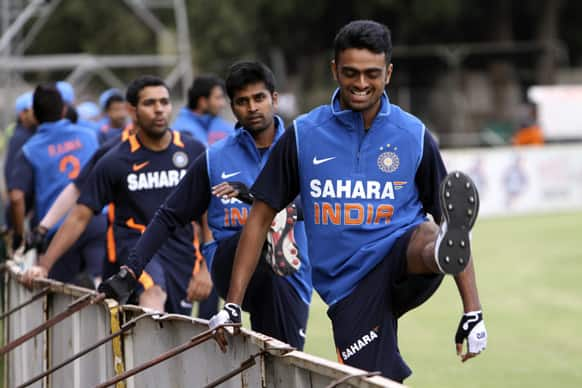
[460, 205]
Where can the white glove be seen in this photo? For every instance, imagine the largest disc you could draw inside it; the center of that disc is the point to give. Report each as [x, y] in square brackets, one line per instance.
[472, 328]
[230, 313]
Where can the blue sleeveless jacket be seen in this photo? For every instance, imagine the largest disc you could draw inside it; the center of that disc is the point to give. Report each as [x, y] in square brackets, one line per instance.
[358, 189]
[207, 129]
[237, 159]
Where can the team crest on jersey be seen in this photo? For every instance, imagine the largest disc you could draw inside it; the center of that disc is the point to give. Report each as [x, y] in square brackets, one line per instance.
[388, 161]
[180, 159]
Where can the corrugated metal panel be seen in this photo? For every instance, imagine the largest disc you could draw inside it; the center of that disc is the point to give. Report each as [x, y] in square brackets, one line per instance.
[275, 364]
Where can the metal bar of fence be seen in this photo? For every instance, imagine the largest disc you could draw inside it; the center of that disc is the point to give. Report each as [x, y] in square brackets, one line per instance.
[243, 366]
[36, 296]
[349, 377]
[194, 341]
[128, 325]
[75, 306]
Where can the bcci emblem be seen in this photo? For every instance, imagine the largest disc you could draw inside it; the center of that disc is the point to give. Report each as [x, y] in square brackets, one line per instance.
[180, 159]
[388, 161]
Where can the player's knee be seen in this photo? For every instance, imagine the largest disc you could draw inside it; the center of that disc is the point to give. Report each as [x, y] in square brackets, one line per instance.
[424, 236]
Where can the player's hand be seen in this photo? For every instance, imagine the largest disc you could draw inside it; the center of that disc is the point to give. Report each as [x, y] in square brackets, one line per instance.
[472, 329]
[119, 286]
[200, 285]
[230, 313]
[34, 272]
[237, 190]
[37, 239]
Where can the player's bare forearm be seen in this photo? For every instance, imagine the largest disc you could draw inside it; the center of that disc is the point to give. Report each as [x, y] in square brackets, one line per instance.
[205, 232]
[17, 211]
[68, 233]
[249, 250]
[467, 286]
[64, 202]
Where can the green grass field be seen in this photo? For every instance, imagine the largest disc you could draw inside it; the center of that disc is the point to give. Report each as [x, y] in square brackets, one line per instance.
[529, 272]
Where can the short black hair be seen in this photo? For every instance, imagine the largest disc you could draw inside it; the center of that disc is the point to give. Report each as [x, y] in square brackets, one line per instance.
[202, 87]
[138, 84]
[47, 103]
[245, 73]
[112, 99]
[364, 34]
[71, 113]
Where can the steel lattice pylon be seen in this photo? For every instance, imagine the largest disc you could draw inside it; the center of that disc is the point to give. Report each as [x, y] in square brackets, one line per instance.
[15, 39]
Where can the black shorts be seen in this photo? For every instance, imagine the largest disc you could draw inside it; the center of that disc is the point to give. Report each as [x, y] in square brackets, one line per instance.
[365, 322]
[276, 309]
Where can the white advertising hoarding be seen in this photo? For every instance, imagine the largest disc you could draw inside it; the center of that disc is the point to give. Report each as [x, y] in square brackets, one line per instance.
[559, 109]
[523, 179]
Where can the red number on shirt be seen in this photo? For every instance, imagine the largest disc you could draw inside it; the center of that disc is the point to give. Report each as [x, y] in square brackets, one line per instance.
[72, 162]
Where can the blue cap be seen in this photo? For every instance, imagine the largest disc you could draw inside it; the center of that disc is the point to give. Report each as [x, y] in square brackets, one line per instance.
[88, 110]
[67, 91]
[23, 102]
[106, 95]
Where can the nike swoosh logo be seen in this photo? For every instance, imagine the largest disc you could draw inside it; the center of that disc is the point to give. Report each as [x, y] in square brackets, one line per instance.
[139, 166]
[302, 333]
[224, 175]
[319, 161]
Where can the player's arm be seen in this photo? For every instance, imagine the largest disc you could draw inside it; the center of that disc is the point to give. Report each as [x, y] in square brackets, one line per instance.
[430, 174]
[17, 212]
[276, 187]
[20, 184]
[474, 332]
[200, 284]
[64, 202]
[74, 225]
[249, 249]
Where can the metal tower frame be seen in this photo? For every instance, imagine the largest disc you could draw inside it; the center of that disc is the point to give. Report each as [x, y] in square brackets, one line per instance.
[14, 41]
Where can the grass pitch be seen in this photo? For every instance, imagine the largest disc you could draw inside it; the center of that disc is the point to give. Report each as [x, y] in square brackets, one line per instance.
[529, 274]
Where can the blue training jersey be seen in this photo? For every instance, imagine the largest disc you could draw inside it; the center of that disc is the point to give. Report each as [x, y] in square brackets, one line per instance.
[57, 153]
[361, 189]
[207, 129]
[237, 159]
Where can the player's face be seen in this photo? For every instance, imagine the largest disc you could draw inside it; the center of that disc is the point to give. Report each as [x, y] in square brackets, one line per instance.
[153, 110]
[254, 107]
[362, 76]
[117, 113]
[216, 101]
[27, 118]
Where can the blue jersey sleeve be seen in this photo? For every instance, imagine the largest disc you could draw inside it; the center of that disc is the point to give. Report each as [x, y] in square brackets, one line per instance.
[22, 175]
[278, 183]
[429, 175]
[99, 188]
[188, 202]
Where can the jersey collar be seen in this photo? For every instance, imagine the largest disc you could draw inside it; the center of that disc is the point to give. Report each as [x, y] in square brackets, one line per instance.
[350, 117]
[53, 124]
